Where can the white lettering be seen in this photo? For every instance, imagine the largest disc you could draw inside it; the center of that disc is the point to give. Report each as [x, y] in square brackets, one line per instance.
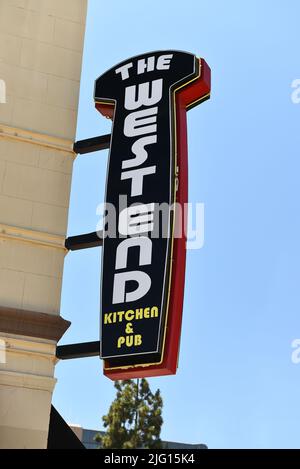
[145, 245]
[143, 280]
[124, 70]
[138, 149]
[296, 93]
[142, 65]
[136, 219]
[163, 62]
[2, 92]
[143, 94]
[141, 122]
[137, 176]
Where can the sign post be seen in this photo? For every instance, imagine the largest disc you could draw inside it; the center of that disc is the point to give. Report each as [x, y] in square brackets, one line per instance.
[144, 238]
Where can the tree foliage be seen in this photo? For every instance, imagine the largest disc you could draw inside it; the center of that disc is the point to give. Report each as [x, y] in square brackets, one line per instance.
[134, 418]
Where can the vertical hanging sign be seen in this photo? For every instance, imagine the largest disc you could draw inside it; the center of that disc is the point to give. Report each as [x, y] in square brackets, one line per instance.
[143, 258]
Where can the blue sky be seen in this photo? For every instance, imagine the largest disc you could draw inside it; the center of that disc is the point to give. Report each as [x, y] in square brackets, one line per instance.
[236, 386]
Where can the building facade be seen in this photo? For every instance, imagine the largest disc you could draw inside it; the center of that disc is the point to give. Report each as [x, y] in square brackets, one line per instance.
[87, 437]
[41, 46]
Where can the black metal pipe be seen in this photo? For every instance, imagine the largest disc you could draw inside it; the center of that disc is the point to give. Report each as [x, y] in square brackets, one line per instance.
[84, 241]
[90, 145]
[83, 350]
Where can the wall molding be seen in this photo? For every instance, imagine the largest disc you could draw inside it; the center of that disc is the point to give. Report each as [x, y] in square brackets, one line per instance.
[29, 346]
[44, 140]
[27, 380]
[32, 236]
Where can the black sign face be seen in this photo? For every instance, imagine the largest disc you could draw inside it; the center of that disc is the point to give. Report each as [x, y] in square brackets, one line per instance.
[136, 258]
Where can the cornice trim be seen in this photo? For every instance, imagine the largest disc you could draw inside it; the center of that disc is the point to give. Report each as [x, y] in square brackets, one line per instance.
[32, 324]
[36, 138]
[32, 236]
[27, 380]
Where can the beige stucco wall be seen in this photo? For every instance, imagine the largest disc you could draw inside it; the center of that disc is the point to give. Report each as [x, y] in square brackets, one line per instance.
[26, 385]
[41, 44]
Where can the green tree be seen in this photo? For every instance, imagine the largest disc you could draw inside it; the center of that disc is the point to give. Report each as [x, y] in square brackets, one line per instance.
[134, 418]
